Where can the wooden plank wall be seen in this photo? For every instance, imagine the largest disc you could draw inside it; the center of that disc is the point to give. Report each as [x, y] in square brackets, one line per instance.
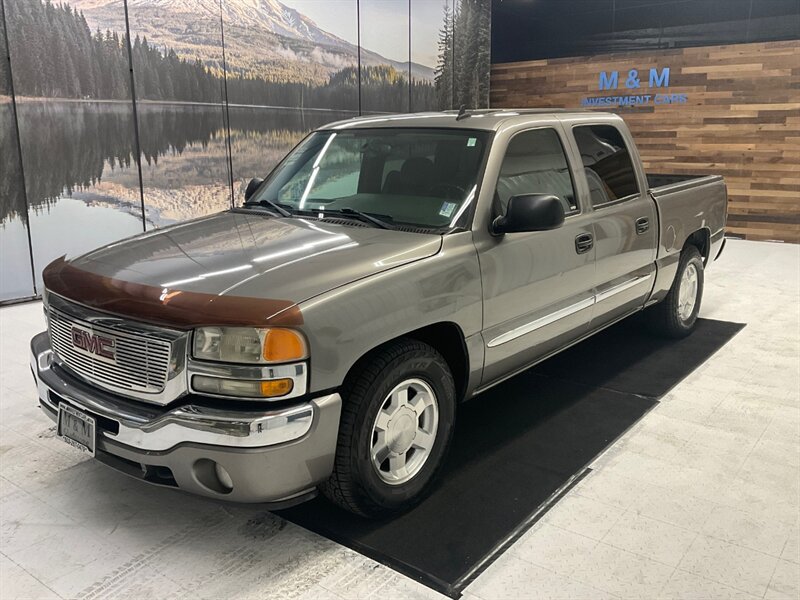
[741, 119]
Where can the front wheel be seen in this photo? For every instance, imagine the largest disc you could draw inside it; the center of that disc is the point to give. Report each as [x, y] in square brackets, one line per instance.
[676, 315]
[396, 425]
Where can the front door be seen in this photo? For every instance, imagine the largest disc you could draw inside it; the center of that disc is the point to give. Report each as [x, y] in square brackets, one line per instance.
[537, 286]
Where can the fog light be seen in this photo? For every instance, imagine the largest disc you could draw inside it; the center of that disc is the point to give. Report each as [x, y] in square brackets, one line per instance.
[212, 476]
[243, 388]
[224, 478]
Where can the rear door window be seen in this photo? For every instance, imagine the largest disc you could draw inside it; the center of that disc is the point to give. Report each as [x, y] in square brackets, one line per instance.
[607, 163]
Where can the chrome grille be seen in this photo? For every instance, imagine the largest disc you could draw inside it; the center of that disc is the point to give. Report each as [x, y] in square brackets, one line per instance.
[141, 363]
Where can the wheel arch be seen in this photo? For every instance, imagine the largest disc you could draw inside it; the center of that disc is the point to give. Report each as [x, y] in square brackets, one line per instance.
[700, 239]
[446, 337]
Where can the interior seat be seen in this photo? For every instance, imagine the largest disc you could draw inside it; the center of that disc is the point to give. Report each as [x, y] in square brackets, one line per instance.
[415, 176]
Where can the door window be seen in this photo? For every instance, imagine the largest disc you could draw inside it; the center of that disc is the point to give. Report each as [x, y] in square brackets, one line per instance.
[607, 163]
[535, 163]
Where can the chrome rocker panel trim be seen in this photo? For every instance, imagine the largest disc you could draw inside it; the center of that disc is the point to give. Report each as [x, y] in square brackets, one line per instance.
[567, 311]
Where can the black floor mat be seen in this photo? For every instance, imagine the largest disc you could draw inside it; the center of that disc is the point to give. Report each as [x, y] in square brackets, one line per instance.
[516, 446]
[626, 358]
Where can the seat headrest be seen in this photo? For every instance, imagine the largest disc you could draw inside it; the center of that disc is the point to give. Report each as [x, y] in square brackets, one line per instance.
[417, 169]
[522, 165]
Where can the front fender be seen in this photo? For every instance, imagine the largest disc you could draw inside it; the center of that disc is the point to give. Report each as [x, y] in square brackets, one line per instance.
[342, 325]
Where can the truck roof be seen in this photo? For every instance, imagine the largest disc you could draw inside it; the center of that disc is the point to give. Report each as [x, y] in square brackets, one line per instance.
[489, 119]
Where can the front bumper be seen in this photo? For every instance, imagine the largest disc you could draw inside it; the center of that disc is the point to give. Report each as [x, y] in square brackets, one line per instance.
[277, 455]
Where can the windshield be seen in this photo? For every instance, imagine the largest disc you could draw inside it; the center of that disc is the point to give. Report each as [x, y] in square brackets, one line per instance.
[418, 177]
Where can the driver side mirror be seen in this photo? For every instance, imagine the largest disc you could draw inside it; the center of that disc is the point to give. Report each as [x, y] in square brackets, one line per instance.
[252, 187]
[530, 212]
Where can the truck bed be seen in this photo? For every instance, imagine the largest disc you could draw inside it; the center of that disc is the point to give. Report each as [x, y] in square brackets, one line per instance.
[688, 203]
[670, 179]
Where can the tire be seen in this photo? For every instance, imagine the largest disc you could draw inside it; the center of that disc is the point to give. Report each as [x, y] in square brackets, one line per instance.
[671, 317]
[358, 483]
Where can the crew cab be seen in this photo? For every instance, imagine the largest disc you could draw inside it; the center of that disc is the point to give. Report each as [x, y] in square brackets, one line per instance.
[319, 336]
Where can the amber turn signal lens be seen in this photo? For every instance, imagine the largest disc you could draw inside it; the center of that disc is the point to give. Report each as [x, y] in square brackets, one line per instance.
[283, 345]
[276, 387]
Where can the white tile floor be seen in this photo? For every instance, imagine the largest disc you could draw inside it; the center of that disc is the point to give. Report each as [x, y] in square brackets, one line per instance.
[700, 500]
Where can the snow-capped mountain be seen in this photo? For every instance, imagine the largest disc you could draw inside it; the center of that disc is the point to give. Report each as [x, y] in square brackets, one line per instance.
[263, 38]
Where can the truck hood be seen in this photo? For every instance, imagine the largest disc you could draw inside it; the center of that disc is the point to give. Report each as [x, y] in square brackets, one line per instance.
[241, 254]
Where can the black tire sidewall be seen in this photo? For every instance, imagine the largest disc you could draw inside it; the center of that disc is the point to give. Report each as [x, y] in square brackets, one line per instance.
[431, 368]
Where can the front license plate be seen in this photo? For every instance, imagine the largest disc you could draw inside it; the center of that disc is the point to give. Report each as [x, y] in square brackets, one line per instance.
[76, 428]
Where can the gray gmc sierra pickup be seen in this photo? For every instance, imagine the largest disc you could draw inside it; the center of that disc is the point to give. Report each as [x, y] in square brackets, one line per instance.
[320, 336]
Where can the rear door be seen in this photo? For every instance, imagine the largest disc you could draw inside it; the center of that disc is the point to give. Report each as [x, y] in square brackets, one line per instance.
[537, 286]
[625, 220]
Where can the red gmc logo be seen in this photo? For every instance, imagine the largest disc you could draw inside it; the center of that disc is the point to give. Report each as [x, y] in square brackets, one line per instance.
[93, 343]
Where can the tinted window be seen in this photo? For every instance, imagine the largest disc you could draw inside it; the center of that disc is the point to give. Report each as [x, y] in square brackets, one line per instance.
[607, 163]
[535, 164]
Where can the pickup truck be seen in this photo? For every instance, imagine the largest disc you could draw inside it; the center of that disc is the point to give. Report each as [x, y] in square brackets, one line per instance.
[320, 336]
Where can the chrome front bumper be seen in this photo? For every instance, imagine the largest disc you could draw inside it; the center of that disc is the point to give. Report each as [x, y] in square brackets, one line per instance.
[270, 455]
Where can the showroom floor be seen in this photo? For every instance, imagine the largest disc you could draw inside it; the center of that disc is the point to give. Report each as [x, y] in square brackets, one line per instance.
[699, 500]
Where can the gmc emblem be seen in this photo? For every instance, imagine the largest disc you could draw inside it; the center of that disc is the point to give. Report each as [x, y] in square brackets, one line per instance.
[93, 343]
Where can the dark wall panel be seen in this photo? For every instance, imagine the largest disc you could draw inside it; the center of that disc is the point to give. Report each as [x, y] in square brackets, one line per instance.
[527, 30]
[76, 129]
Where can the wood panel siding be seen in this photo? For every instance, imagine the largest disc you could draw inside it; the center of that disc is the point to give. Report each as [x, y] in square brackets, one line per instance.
[741, 119]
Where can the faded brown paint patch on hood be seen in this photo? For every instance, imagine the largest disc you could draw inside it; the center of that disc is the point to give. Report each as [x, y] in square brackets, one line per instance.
[231, 268]
[174, 308]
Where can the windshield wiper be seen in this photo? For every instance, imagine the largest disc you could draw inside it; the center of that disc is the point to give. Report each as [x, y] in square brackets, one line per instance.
[270, 204]
[362, 216]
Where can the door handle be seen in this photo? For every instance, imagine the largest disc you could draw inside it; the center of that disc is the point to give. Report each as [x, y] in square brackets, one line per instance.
[584, 243]
[642, 225]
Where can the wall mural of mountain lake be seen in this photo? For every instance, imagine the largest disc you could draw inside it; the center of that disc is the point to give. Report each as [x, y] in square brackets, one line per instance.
[207, 122]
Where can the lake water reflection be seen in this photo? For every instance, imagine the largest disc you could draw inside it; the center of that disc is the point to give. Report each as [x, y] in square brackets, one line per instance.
[81, 178]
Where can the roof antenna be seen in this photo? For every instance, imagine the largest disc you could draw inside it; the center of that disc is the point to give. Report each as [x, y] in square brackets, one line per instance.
[462, 112]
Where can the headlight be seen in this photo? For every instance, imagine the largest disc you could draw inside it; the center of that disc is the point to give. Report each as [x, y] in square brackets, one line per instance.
[249, 345]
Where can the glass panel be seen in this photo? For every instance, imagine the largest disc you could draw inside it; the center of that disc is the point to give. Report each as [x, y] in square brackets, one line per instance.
[284, 81]
[606, 162]
[76, 128]
[421, 177]
[178, 69]
[472, 37]
[431, 55]
[384, 55]
[535, 163]
[16, 279]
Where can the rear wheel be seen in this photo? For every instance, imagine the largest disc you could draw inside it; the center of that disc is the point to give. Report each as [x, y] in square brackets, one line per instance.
[676, 315]
[396, 425]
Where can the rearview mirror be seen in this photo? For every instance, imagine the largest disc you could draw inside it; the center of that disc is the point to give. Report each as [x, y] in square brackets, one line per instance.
[530, 212]
[252, 187]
